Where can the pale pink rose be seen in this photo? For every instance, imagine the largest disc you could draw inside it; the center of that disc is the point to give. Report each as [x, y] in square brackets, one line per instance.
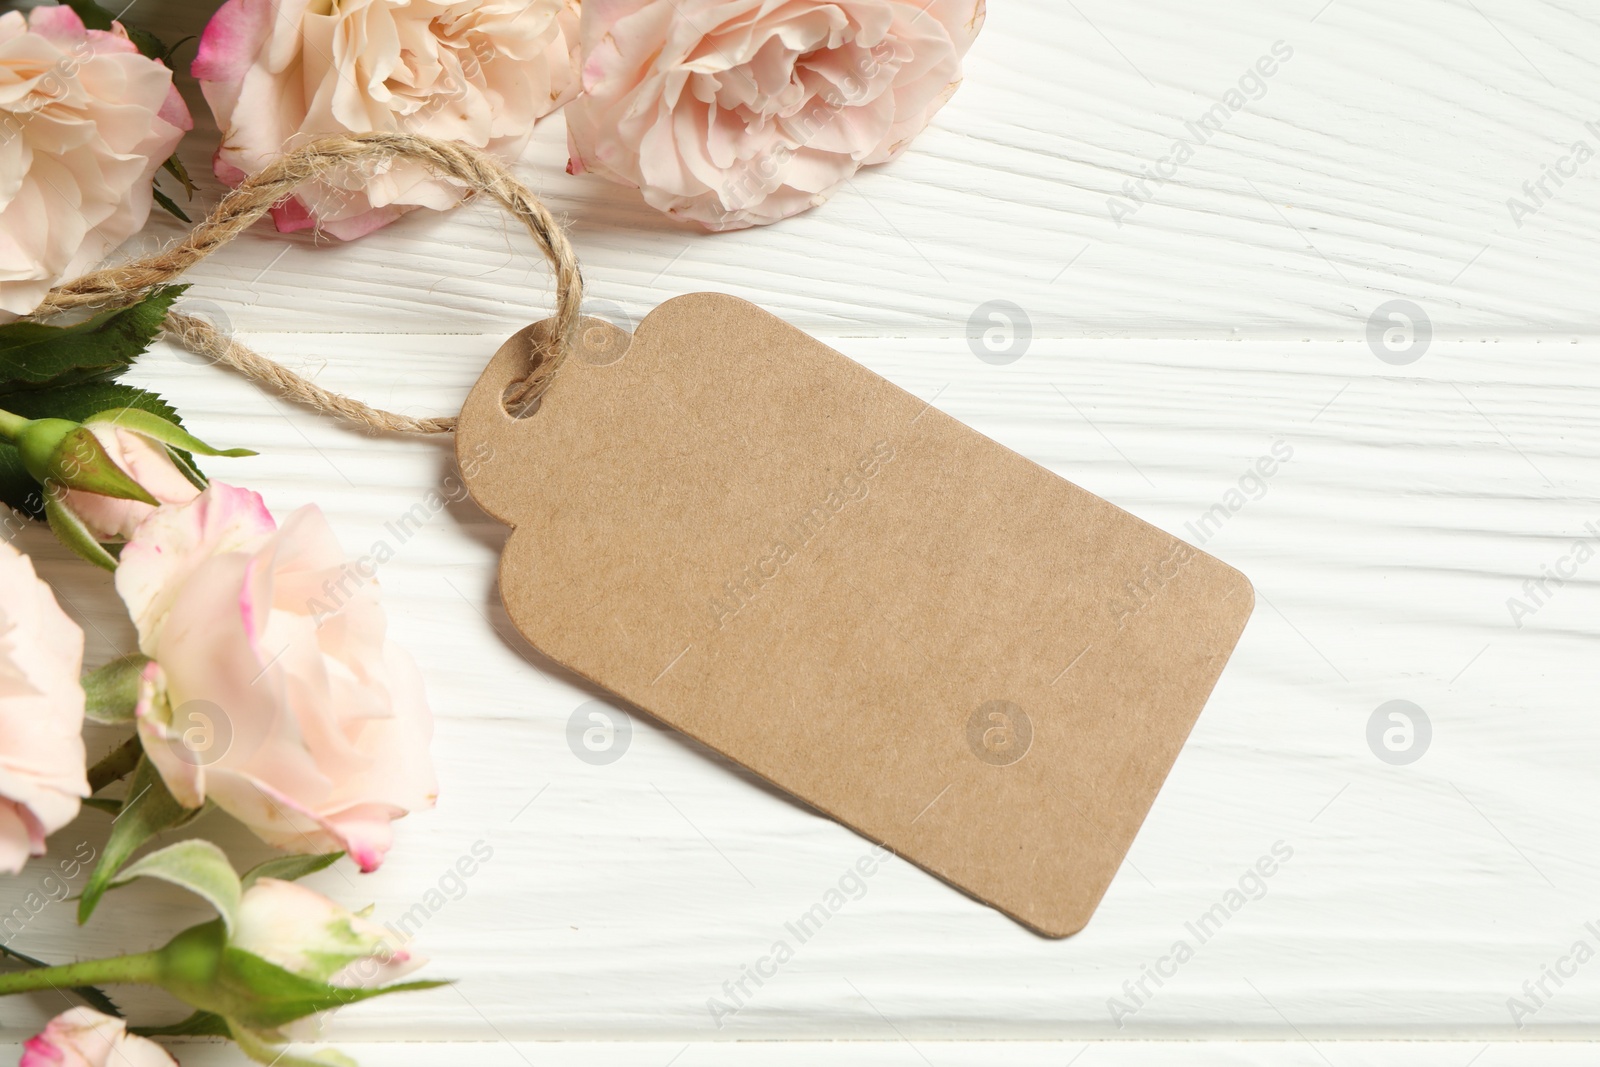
[82, 1037]
[274, 691]
[277, 72]
[146, 462]
[738, 113]
[42, 772]
[85, 121]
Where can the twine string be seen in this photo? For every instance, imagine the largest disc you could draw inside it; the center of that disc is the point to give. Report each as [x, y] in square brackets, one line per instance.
[480, 173]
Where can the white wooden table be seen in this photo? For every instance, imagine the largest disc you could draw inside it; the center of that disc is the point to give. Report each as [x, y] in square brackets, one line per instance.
[1229, 312]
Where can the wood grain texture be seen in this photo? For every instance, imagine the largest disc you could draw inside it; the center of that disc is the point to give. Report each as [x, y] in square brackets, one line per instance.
[1228, 314]
[896, 1053]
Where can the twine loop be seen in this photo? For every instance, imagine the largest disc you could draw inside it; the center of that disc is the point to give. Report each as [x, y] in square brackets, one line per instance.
[479, 172]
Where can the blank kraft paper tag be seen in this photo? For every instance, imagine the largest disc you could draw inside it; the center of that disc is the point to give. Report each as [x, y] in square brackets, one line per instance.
[926, 636]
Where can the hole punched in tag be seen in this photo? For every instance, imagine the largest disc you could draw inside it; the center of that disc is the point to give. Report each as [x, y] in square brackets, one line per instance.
[598, 342]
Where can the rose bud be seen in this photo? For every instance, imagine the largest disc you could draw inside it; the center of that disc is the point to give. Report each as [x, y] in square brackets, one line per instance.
[106, 475]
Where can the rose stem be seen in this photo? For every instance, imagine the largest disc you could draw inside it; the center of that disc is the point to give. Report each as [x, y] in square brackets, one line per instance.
[142, 968]
[116, 764]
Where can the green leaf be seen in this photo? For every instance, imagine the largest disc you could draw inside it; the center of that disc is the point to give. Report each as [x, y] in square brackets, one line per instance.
[174, 166]
[200, 1024]
[167, 204]
[78, 402]
[112, 691]
[148, 44]
[149, 809]
[289, 868]
[93, 995]
[105, 804]
[156, 428]
[34, 355]
[198, 866]
[97, 999]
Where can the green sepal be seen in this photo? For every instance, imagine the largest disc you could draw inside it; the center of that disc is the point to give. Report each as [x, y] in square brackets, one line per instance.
[70, 531]
[77, 403]
[59, 452]
[112, 691]
[149, 809]
[289, 868]
[149, 424]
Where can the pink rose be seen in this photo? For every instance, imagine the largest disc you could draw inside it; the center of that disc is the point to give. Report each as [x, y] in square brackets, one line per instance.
[146, 462]
[82, 1037]
[738, 113]
[85, 121]
[42, 772]
[273, 690]
[477, 71]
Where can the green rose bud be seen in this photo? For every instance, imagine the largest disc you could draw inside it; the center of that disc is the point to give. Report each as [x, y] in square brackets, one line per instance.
[67, 455]
[101, 476]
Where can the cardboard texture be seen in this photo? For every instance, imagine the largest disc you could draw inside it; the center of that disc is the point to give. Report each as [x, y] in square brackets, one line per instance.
[924, 635]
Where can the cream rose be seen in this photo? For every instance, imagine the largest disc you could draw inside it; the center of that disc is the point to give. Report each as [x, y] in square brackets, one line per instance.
[274, 690]
[276, 72]
[42, 772]
[85, 122]
[737, 113]
[83, 1037]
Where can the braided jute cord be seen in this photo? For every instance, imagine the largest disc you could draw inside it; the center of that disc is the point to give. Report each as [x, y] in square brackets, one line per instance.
[128, 282]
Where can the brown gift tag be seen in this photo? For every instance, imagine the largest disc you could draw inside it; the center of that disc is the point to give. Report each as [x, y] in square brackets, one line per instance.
[928, 637]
